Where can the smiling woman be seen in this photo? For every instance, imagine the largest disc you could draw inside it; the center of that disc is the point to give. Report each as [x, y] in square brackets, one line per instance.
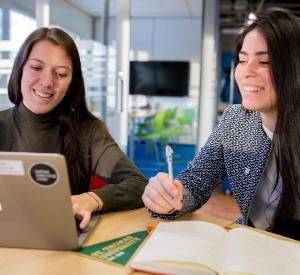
[50, 115]
[47, 75]
[256, 144]
[253, 76]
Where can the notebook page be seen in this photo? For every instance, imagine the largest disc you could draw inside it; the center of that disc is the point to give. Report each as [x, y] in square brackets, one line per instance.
[250, 251]
[190, 241]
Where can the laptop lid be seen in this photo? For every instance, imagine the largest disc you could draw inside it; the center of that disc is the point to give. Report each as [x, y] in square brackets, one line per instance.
[35, 204]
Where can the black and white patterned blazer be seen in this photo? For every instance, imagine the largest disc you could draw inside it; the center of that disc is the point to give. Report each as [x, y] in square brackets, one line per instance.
[239, 148]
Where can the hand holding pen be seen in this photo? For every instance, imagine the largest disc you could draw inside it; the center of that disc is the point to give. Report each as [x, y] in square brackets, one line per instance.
[163, 194]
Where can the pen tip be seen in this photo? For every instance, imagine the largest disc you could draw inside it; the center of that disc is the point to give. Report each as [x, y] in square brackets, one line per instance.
[169, 149]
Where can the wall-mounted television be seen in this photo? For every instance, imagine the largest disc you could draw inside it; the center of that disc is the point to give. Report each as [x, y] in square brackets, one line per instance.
[159, 78]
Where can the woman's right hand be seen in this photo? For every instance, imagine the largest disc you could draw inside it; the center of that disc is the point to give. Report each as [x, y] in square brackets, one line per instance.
[162, 195]
[84, 205]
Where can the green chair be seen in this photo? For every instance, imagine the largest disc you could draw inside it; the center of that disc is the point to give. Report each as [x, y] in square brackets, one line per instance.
[185, 117]
[157, 126]
[184, 122]
[163, 127]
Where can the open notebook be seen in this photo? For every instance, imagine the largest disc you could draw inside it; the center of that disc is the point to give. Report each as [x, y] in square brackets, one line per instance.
[196, 247]
[35, 203]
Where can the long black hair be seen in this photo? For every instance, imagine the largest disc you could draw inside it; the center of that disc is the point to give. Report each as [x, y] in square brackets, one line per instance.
[281, 30]
[72, 110]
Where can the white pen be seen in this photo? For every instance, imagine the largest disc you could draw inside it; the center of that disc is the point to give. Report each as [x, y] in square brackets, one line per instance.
[169, 160]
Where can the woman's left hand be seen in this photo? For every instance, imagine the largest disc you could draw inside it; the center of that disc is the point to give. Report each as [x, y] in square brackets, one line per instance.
[84, 205]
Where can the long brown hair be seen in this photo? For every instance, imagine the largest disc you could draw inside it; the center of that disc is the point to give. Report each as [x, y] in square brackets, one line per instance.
[281, 30]
[72, 110]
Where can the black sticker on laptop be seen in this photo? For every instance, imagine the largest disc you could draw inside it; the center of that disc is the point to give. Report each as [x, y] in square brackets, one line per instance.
[43, 174]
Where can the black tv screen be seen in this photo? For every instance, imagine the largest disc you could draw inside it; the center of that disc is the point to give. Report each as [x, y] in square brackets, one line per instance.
[159, 78]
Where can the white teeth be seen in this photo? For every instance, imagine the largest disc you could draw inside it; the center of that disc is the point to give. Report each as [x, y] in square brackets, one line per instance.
[43, 94]
[251, 89]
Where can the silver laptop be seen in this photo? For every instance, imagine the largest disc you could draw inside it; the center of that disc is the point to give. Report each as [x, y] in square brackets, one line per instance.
[35, 203]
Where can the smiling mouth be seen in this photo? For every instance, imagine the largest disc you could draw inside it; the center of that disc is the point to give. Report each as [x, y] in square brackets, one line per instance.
[251, 89]
[43, 94]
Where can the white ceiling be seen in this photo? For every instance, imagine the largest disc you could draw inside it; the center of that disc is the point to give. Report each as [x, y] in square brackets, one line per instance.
[145, 8]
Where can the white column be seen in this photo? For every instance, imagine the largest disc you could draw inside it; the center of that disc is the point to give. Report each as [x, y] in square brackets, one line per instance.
[122, 70]
[5, 23]
[42, 13]
[209, 71]
[104, 27]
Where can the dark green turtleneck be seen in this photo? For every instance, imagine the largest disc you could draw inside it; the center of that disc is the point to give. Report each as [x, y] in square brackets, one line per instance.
[29, 132]
[23, 131]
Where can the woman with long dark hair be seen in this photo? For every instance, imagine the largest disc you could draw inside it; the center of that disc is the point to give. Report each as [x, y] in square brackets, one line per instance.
[256, 144]
[50, 115]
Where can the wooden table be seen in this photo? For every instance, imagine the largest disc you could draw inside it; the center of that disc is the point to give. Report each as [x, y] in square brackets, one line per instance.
[112, 225]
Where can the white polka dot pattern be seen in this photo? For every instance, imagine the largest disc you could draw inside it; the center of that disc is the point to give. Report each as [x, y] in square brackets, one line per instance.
[239, 148]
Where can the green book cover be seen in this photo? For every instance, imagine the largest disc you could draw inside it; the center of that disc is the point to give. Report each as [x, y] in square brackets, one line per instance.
[117, 251]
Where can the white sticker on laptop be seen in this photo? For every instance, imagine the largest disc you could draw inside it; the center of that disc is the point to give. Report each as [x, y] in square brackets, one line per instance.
[11, 167]
[43, 174]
